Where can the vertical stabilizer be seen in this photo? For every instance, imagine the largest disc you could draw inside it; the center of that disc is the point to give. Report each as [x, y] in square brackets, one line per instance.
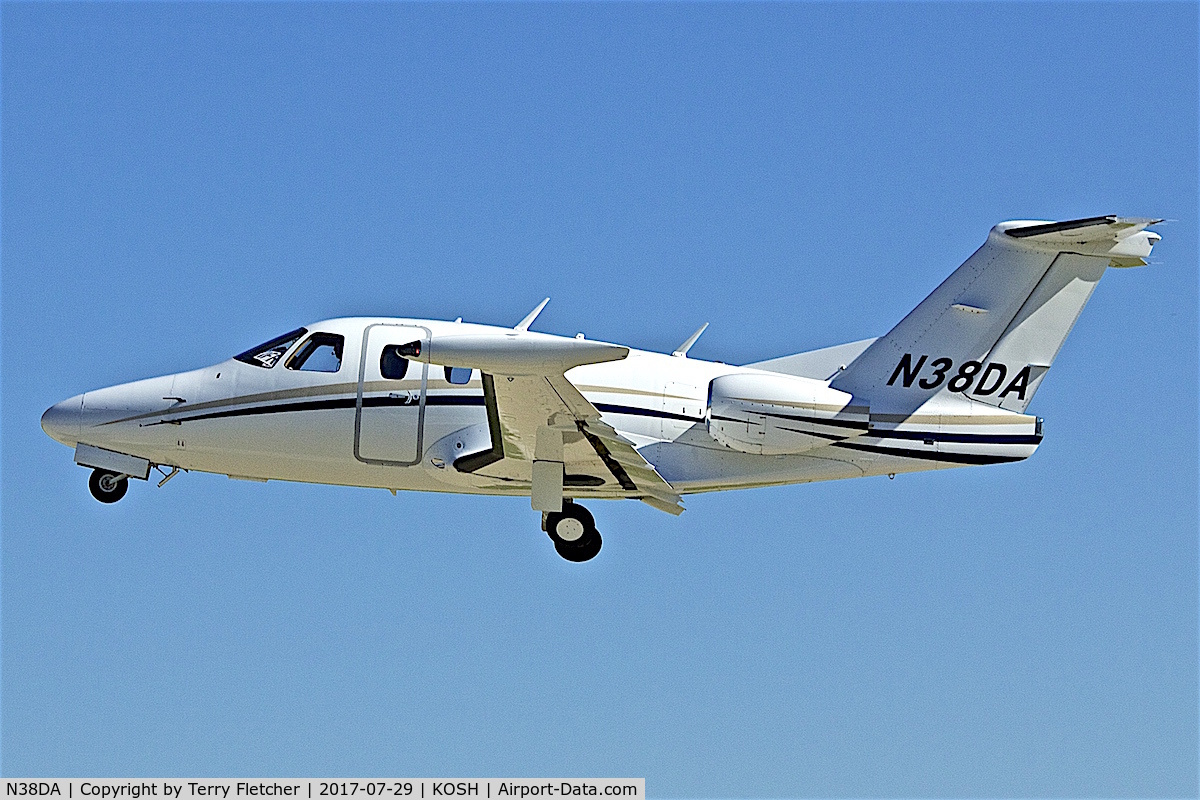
[992, 329]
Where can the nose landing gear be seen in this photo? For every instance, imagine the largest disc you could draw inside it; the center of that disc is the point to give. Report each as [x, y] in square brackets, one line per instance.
[106, 486]
[573, 532]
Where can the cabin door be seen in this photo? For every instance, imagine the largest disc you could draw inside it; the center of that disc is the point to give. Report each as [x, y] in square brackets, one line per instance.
[389, 412]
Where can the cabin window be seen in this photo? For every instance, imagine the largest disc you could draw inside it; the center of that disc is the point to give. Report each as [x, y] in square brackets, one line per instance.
[392, 365]
[266, 354]
[458, 375]
[322, 352]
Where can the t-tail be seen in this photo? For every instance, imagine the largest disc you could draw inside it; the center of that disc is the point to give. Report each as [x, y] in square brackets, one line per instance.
[991, 331]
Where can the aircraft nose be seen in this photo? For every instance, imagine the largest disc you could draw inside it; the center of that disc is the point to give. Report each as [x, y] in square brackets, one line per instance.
[61, 420]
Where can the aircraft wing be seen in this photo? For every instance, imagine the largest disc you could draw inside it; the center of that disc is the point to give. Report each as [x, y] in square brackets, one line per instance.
[537, 414]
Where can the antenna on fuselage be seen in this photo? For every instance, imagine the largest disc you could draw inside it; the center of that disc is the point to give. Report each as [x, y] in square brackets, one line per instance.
[524, 324]
[681, 351]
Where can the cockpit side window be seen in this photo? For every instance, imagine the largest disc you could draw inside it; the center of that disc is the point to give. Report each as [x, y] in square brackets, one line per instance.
[321, 352]
[265, 355]
[392, 365]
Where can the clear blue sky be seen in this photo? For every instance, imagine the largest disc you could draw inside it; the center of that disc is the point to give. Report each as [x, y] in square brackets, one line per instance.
[183, 181]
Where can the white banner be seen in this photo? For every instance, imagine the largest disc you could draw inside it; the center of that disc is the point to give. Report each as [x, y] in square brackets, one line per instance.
[322, 788]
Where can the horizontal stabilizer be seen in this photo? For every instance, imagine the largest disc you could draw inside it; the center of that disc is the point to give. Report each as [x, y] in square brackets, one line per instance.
[1123, 239]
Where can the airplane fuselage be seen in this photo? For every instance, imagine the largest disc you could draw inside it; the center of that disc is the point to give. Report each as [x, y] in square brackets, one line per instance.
[354, 427]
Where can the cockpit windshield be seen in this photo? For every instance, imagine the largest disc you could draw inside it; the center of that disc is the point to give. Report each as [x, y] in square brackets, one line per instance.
[267, 354]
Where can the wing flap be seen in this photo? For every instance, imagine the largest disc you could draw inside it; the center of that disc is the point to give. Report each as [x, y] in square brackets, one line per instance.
[673, 508]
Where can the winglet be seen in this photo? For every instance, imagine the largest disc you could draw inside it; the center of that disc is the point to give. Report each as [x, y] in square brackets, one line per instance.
[524, 324]
[681, 351]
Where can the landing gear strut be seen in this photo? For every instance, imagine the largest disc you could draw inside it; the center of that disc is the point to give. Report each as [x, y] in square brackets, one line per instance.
[108, 487]
[573, 532]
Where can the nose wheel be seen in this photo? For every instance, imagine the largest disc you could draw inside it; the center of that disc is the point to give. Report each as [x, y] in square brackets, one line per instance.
[574, 533]
[108, 487]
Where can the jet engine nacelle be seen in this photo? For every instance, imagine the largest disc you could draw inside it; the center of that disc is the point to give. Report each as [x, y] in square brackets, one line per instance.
[772, 414]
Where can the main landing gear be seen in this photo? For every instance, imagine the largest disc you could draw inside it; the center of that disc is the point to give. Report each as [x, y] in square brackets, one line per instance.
[106, 486]
[573, 532]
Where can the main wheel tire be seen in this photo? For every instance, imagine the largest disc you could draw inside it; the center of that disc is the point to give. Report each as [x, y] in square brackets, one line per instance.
[584, 550]
[568, 529]
[573, 531]
[569, 526]
[108, 487]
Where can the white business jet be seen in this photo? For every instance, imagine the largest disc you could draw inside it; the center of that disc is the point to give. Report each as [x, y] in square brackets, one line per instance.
[426, 405]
